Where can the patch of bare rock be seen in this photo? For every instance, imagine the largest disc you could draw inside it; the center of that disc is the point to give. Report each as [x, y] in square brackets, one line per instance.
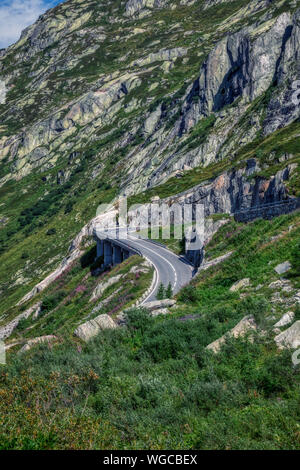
[40, 340]
[286, 319]
[7, 330]
[158, 304]
[290, 338]
[241, 329]
[215, 261]
[100, 288]
[240, 284]
[283, 267]
[92, 328]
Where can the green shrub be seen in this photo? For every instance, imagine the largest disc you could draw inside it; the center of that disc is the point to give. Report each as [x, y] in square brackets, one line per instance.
[69, 207]
[51, 301]
[89, 257]
[188, 294]
[51, 231]
[256, 306]
[138, 319]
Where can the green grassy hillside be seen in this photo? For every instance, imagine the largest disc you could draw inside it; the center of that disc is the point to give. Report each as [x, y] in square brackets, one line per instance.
[153, 385]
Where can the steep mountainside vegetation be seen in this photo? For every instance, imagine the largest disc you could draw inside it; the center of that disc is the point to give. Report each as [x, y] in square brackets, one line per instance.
[153, 385]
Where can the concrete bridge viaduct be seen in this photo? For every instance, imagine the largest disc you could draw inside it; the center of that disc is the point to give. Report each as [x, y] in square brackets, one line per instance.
[169, 268]
[113, 251]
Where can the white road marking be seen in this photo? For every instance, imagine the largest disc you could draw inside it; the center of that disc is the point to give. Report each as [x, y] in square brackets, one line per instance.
[156, 283]
[167, 261]
[137, 240]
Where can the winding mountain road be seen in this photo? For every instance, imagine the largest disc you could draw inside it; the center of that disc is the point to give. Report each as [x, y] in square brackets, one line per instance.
[169, 267]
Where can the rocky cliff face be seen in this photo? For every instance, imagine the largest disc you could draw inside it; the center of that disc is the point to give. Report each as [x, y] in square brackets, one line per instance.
[101, 98]
[241, 66]
[235, 190]
[3, 92]
[143, 7]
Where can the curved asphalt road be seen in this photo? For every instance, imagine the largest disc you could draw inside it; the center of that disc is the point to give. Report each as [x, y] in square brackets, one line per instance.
[169, 267]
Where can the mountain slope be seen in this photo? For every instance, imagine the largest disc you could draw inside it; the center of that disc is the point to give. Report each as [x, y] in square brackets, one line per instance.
[100, 99]
[155, 385]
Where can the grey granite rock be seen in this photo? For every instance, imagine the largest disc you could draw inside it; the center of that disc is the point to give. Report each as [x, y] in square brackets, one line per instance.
[92, 328]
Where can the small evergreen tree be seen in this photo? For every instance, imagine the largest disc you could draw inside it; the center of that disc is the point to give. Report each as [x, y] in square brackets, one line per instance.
[169, 291]
[69, 207]
[161, 292]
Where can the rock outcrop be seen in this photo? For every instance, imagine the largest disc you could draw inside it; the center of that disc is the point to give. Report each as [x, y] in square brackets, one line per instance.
[8, 329]
[240, 285]
[162, 55]
[212, 3]
[38, 147]
[282, 284]
[286, 319]
[158, 304]
[240, 67]
[233, 191]
[138, 7]
[49, 339]
[92, 328]
[289, 338]
[241, 329]
[100, 288]
[208, 264]
[3, 91]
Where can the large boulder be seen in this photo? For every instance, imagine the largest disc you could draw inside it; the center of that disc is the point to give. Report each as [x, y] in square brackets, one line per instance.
[159, 304]
[246, 324]
[240, 284]
[160, 311]
[283, 267]
[289, 338]
[286, 319]
[92, 328]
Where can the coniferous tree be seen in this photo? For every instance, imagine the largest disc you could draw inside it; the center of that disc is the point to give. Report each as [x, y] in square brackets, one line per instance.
[169, 291]
[161, 292]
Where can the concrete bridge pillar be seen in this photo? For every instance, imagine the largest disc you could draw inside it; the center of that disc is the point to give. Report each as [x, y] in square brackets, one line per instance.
[117, 254]
[126, 254]
[194, 249]
[196, 257]
[108, 259]
[100, 248]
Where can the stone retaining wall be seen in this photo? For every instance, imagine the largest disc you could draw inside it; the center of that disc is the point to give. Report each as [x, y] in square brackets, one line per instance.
[268, 211]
